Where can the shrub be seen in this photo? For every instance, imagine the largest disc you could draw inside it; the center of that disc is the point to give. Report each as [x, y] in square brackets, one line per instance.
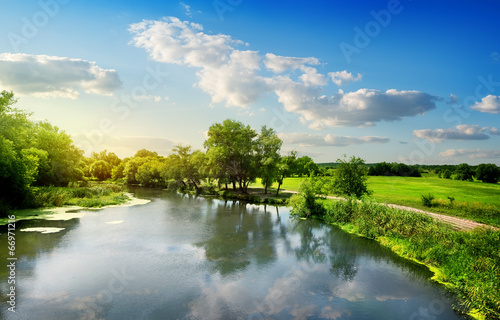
[427, 199]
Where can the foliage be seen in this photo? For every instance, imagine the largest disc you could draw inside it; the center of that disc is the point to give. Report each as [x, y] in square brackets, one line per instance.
[350, 177]
[306, 203]
[305, 166]
[464, 172]
[394, 169]
[427, 199]
[488, 173]
[96, 196]
[286, 166]
[268, 158]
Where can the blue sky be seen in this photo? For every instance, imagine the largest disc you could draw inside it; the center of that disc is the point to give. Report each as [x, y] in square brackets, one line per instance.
[409, 81]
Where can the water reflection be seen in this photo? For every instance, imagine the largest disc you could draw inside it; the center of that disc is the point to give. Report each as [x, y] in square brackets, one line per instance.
[183, 257]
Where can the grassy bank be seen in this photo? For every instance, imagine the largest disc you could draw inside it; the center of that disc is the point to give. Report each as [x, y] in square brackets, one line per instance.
[472, 200]
[96, 196]
[469, 262]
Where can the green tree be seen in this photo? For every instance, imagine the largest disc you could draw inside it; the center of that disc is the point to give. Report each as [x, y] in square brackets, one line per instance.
[464, 172]
[305, 203]
[488, 172]
[268, 156]
[306, 166]
[231, 147]
[286, 167]
[143, 153]
[149, 173]
[350, 177]
[131, 167]
[63, 156]
[101, 170]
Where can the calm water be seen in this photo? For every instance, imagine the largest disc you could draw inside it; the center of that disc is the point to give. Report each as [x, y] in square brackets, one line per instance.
[180, 257]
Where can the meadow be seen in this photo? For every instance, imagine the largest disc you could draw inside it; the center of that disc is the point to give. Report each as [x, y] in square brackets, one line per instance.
[472, 200]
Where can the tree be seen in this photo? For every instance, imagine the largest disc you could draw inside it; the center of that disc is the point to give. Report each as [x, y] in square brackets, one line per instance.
[488, 173]
[63, 156]
[306, 166]
[231, 147]
[143, 153]
[286, 166]
[350, 177]
[187, 167]
[464, 172]
[149, 173]
[101, 170]
[268, 157]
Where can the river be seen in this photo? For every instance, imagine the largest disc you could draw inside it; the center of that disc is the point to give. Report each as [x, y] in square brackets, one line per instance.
[181, 257]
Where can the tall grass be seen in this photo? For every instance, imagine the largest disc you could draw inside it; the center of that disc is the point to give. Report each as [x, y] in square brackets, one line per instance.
[89, 197]
[469, 261]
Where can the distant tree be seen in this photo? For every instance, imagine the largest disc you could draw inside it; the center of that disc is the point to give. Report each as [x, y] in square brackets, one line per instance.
[350, 177]
[101, 170]
[109, 157]
[268, 157]
[464, 172]
[149, 173]
[131, 167]
[286, 166]
[446, 174]
[143, 153]
[488, 173]
[306, 166]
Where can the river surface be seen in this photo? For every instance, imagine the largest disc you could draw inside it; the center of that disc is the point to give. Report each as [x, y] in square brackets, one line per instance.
[181, 257]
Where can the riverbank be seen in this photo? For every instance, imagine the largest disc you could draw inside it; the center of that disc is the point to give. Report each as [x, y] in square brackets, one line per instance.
[467, 262]
[70, 211]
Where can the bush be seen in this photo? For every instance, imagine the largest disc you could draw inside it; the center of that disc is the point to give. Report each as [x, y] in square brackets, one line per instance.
[427, 199]
[350, 177]
[305, 202]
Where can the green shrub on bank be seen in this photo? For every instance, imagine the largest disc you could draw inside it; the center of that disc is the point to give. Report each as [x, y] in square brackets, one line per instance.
[93, 197]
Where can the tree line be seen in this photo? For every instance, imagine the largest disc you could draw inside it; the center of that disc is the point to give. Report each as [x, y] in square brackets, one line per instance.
[235, 155]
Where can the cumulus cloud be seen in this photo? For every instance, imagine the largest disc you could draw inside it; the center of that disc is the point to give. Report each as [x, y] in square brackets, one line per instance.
[238, 77]
[462, 132]
[49, 76]
[343, 77]
[489, 104]
[470, 153]
[359, 108]
[316, 140]
[279, 64]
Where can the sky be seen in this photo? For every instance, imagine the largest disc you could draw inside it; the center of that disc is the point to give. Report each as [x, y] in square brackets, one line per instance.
[406, 81]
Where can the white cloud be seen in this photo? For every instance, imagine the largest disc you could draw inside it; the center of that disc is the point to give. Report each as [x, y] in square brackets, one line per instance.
[187, 8]
[343, 77]
[360, 108]
[279, 64]
[470, 153]
[489, 104]
[50, 77]
[316, 140]
[235, 77]
[462, 132]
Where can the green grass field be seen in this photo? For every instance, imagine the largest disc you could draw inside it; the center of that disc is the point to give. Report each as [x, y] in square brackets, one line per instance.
[474, 200]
